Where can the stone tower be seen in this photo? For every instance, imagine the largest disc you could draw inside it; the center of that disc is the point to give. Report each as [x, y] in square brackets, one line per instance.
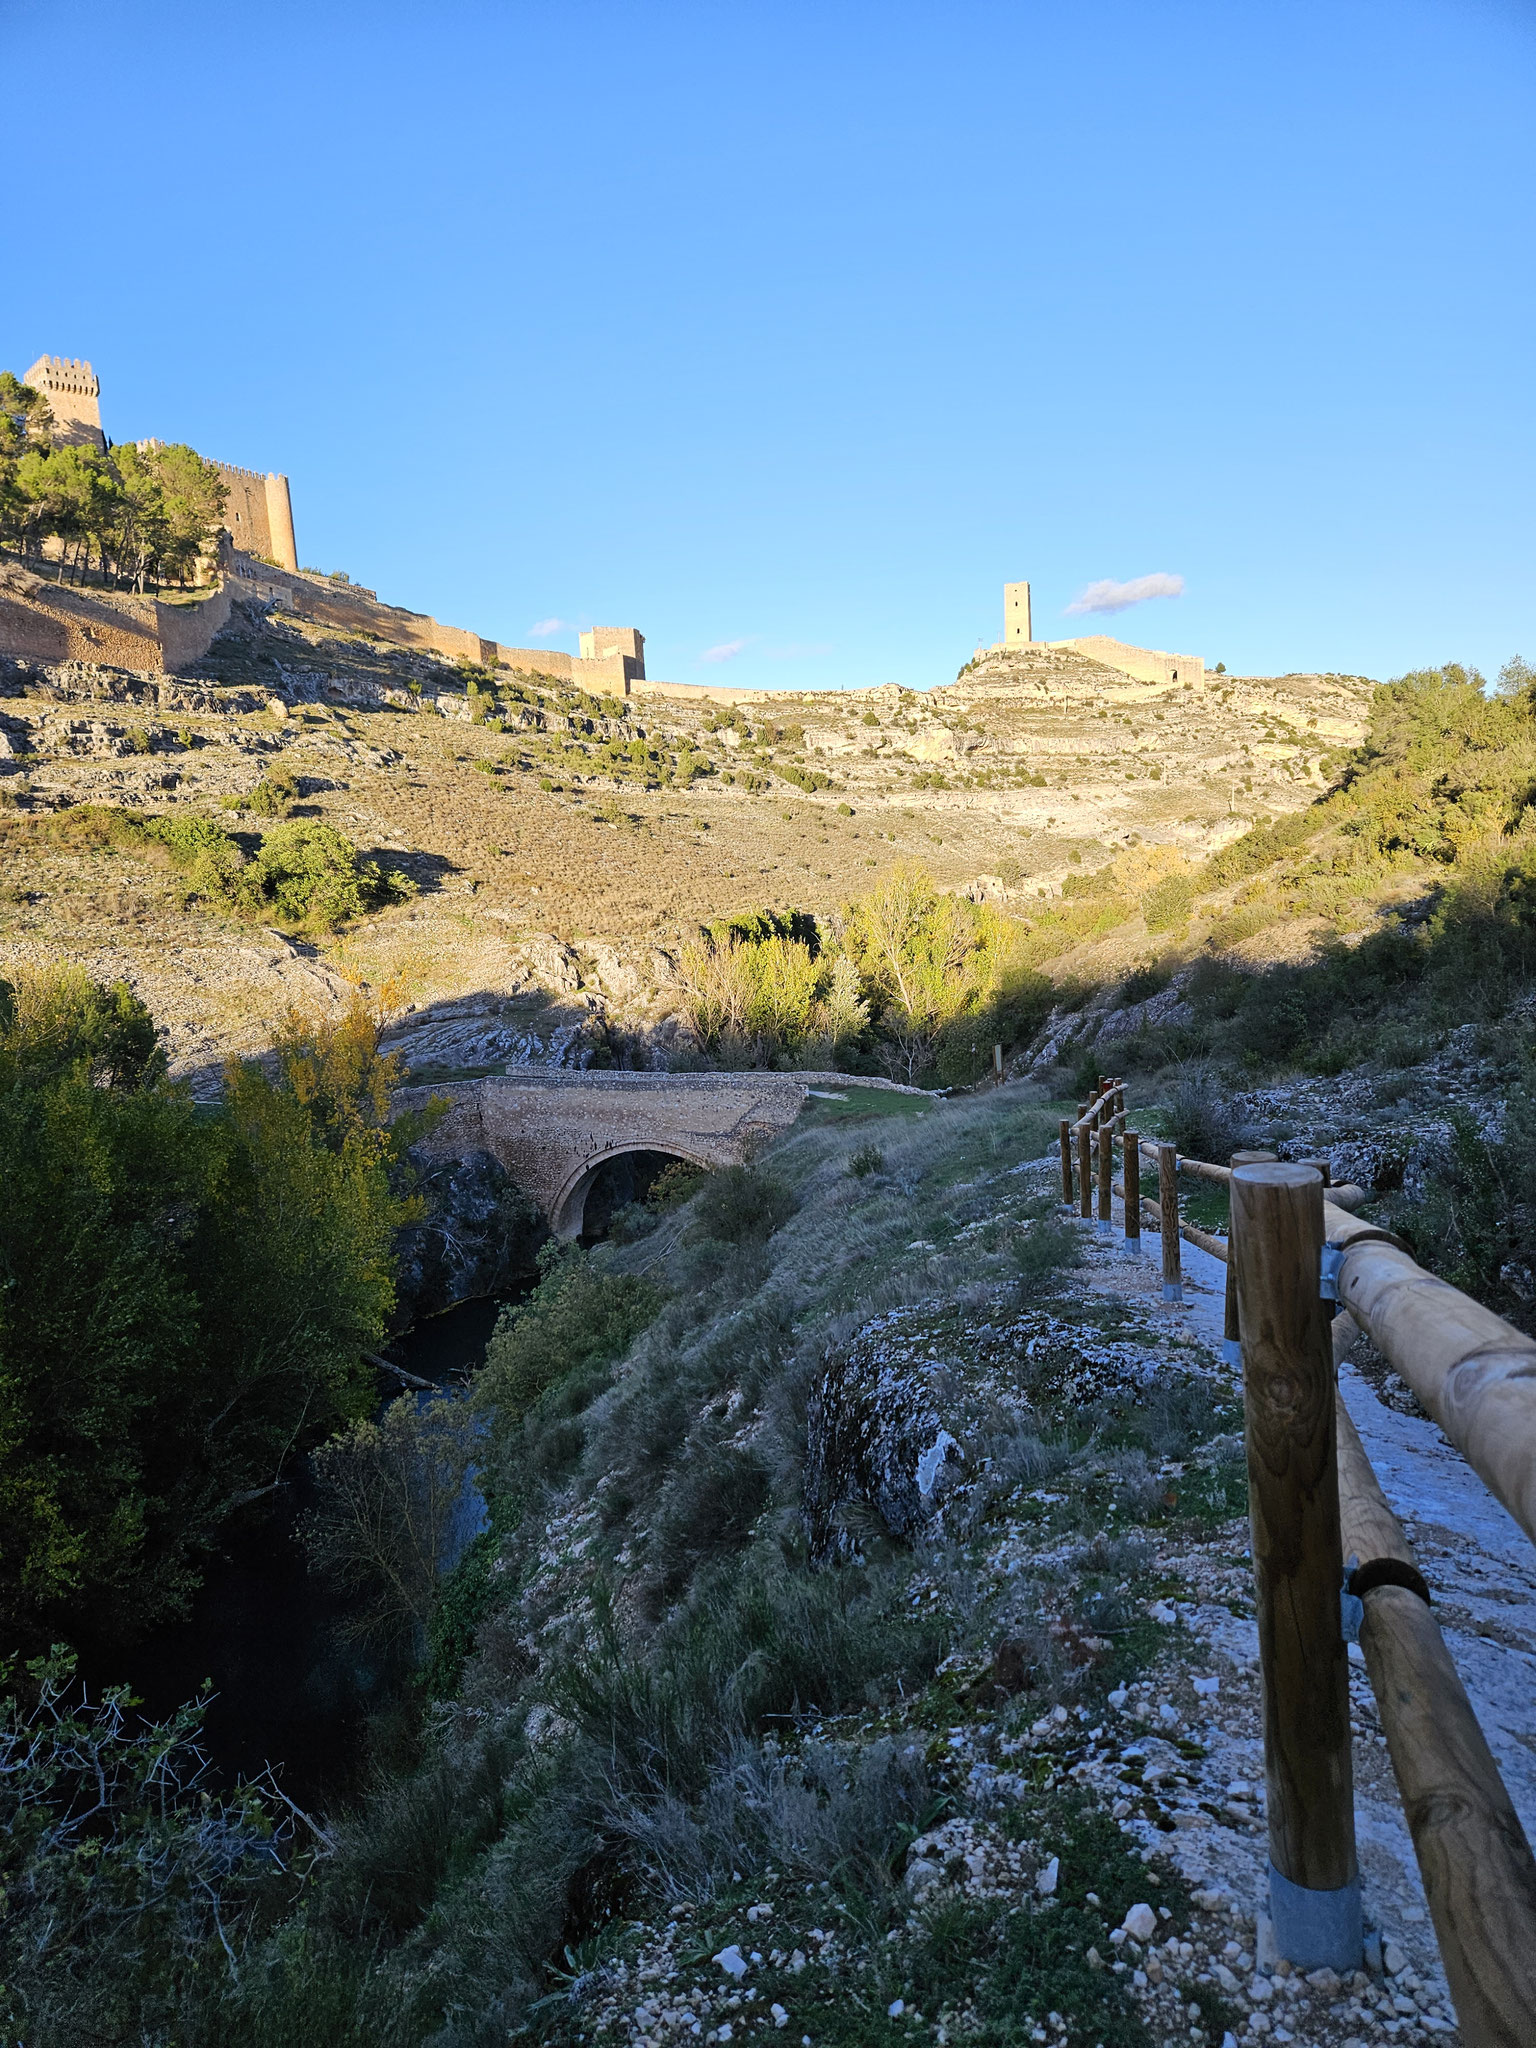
[258, 512]
[624, 641]
[73, 392]
[1016, 627]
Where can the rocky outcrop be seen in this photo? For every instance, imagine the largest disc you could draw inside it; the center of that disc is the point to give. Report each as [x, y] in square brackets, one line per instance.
[874, 1435]
[479, 1236]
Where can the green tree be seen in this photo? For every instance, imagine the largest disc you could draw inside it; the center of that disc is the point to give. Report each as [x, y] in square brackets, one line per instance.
[184, 1297]
[71, 495]
[26, 423]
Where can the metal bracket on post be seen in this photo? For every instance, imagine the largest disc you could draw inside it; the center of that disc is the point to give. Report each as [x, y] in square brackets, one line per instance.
[1351, 1606]
[1331, 1266]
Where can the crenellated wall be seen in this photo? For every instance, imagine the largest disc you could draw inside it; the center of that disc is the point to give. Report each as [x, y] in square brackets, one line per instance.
[258, 513]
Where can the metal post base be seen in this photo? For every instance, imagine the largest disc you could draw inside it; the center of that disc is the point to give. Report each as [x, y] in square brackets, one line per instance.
[1231, 1351]
[1106, 1229]
[1317, 1930]
[1173, 1290]
[1133, 1246]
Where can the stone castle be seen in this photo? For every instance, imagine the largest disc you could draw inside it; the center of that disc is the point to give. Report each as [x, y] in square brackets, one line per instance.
[258, 510]
[43, 621]
[1144, 664]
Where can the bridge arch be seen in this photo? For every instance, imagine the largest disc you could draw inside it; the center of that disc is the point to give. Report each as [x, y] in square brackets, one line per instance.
[567, 1211]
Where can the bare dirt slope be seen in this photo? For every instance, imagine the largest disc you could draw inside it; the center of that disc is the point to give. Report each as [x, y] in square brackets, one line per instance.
[564, 844]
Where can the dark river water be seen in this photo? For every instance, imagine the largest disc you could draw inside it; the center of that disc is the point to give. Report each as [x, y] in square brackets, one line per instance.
[289, 1690]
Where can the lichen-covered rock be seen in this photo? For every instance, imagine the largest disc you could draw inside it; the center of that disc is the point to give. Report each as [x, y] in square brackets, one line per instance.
[874, 1435]
[480, 1233]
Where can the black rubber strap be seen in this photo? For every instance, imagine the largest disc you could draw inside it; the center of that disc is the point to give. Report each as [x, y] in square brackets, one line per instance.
[1387, 1571]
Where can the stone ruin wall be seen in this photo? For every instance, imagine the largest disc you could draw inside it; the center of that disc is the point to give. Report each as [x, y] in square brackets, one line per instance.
[1144, 664]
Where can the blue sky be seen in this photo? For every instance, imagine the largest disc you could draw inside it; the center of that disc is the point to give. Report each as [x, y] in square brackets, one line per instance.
[789, 332]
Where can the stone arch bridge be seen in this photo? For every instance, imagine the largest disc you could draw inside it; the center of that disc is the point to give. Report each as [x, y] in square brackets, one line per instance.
[554, 1130]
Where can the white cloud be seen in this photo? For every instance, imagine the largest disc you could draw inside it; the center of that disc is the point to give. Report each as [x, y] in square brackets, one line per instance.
[1109, 596]
[726, 651]
[541, 627]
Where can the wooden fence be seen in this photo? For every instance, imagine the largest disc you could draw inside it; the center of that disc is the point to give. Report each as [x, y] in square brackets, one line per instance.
[1330, 1556]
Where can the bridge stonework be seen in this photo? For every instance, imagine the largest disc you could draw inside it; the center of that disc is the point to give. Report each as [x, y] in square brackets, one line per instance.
[553, 1130]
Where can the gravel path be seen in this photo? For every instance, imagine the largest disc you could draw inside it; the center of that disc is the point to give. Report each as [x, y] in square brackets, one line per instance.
[1482, 1571]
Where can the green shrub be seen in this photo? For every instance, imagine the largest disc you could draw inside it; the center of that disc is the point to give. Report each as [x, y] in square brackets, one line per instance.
[210, 861]
[1197, 1117]
[63, 1021]
[1471, 1220]
[1045, 1248]
[309, 875]
[130, 1882]
[272, 796]
[676, 1183]
[1146, 981]
[742, 1205]
[204, 1284]
[462, 1605]
[580, 1317]
[868, 1159]
[1168, 904]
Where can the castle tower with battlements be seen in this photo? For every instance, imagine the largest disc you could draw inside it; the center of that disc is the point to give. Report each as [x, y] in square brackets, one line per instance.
[73, 392]
[259, 514]
[258, 511]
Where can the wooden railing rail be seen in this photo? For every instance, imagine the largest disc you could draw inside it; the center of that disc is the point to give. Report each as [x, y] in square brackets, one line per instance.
[1317, 1512]
[1479, 1873]
[1474, 1373]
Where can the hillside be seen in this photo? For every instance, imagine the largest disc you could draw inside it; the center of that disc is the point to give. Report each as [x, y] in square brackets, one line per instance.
[822, 1606]
[861, 1649]
[561, 846]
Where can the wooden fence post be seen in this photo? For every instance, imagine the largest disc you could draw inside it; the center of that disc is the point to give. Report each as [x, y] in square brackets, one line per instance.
[1132, 1184]
[1168, 1203]
[997, 1064]
[1293, 1506]
[1066, 1162]
[1084, 1170]
[1231, 1349]
[1106, 1179]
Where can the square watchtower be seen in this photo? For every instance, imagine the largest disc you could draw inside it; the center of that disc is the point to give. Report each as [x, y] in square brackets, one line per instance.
[1016, 626]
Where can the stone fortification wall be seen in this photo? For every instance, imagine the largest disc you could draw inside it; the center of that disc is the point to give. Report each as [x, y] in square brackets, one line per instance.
[606, 675]
[354, 609]
[1145, 664]
[537, 661]
[186, 630]
[42, 621]
[707, 693]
